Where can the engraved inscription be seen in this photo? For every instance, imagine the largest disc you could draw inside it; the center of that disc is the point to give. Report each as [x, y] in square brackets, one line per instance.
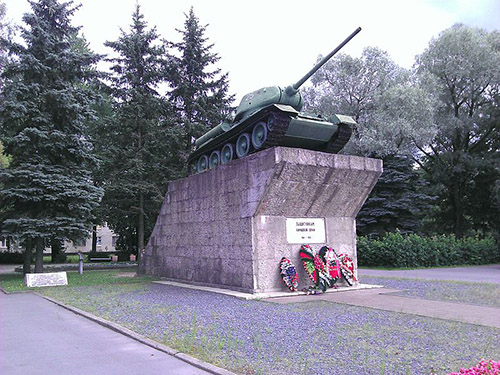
[34, 280]
[305, 230]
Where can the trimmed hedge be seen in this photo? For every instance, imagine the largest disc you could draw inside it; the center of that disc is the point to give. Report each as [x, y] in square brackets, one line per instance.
[409, 251]
[11, 258]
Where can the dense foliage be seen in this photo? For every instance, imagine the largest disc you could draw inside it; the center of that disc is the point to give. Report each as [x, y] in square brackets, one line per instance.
[145, 136]
[4, 159]
[133, 141]
[11, 258]
[398, 201]
[47, 192]
[444, 115]
[460, 69]
[388, 105]
[407, 251]
[5, 37]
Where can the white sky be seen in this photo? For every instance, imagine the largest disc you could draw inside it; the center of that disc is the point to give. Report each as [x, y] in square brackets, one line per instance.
[275, 42]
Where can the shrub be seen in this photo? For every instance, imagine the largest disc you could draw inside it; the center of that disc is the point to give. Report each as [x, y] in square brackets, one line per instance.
[11, 258]
[61, 258]
[406, 251]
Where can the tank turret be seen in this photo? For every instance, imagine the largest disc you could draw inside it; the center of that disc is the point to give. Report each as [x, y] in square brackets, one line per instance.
[271, 117]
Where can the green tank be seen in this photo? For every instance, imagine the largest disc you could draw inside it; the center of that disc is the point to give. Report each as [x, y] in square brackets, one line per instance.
[271, 117]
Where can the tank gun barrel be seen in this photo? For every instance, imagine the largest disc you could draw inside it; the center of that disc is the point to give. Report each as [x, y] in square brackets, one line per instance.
[300, 82]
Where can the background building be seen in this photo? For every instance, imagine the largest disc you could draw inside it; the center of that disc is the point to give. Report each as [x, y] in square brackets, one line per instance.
[106, 242]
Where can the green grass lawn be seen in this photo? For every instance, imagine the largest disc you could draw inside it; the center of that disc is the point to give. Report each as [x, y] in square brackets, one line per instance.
[15, 282]
[69, 259]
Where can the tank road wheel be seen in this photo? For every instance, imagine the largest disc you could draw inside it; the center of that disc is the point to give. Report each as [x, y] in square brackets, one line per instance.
[259, 135]
[227, 153]
[271, 121]
[202, 163]
[214, 159]
[243, 145]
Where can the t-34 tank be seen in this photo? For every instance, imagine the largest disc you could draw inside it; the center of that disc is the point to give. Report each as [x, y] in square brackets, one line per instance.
[271, 117]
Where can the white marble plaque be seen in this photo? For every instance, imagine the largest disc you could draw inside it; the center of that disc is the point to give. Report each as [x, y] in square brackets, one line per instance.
[305, 230]
[34, 280]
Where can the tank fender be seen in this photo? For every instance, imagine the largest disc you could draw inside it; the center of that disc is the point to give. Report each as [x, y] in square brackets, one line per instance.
[223, 127]
[342, 119]
[286, 108]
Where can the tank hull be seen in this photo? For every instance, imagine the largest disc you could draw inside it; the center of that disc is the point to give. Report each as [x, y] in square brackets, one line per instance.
[284, 127]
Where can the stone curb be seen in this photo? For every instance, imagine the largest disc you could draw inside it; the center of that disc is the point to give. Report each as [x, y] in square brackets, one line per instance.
[135, 336]
[262, 296]
[15, 292]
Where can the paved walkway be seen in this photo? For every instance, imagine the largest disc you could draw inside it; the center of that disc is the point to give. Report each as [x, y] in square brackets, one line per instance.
[39, 337]
[8, 268]
[382, 300]
[480, 274]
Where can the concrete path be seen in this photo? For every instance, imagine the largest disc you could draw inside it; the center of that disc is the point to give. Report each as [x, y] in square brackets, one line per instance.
[39, 337]
[480, 274]
[382, 300]
[8, 268]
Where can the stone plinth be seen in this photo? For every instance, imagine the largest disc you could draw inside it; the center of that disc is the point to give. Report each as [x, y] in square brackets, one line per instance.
[227, 226]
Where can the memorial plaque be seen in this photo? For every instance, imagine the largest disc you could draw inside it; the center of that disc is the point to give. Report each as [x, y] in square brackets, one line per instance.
[34, 280]
[305, 230]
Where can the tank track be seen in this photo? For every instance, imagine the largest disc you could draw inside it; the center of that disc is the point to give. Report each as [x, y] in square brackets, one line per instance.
[337, 143]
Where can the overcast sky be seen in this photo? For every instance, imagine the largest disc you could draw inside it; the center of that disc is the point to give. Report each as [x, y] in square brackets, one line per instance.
[275, 42]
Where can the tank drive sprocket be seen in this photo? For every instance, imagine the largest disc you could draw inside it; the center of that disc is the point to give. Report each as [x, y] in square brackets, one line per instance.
[279, 125]
[337, 143]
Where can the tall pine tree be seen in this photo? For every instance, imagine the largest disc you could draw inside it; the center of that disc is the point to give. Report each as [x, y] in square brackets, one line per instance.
[47, 191]
[199, 91]
[6, 30]
[137, 146]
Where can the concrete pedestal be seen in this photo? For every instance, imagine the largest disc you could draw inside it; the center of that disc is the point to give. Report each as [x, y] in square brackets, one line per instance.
[227, 227]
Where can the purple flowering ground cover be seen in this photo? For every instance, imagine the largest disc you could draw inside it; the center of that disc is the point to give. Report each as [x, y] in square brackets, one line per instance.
[261, 337]
[481, 294]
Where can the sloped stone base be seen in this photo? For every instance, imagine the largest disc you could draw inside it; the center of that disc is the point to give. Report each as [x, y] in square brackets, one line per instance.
[226, 227]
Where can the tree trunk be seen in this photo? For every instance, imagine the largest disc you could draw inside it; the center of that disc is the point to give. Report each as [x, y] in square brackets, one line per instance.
[55, 246]
[39, 255]
[27, 257]
[94, 239]
[140, 229]
[458, 206]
